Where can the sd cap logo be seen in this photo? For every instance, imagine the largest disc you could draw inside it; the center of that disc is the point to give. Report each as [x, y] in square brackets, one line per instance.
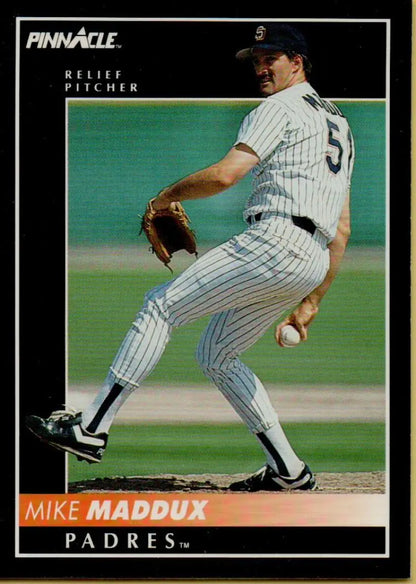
[260, 33]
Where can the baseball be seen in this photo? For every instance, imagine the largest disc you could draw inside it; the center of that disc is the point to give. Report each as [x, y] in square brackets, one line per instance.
[289, 336]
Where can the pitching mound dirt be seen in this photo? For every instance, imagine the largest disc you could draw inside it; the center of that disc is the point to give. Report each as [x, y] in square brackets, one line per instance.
[357, 482]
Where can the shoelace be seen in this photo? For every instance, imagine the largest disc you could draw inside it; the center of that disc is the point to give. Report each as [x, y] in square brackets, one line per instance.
[260, 473]
[67, 414]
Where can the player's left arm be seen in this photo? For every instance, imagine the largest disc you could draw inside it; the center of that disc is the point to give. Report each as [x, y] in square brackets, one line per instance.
[304, 314]
[211, 180]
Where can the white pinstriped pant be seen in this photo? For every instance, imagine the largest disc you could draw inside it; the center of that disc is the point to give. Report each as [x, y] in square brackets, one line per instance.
[246, 283]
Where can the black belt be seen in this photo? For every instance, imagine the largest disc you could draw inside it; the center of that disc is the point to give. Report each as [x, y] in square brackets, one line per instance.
[302, 222]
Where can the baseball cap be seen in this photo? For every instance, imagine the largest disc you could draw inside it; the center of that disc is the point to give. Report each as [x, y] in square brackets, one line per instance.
[278, 37]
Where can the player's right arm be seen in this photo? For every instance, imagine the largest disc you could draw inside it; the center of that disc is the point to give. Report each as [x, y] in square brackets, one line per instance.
[337, 249]
[304, 314]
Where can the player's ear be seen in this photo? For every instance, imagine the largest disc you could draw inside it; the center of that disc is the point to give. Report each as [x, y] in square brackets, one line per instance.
[297, 63]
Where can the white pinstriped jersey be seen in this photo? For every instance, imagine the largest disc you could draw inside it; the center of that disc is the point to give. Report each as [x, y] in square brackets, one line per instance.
[249, 281]
[306, 153]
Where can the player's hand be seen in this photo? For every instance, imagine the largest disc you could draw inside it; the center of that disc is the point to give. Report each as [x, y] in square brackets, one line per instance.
[161, 202]
[300, 318]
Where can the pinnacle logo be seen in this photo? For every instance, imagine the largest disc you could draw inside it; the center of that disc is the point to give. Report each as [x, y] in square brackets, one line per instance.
[62, 40]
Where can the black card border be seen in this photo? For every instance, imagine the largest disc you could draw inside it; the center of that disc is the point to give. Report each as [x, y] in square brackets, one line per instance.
[396, 565]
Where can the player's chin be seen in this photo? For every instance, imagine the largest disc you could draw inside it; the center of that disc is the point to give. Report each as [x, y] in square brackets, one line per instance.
[266, 88]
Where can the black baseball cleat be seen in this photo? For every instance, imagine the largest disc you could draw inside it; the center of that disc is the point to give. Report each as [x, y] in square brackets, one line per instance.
[266, 479]
[63, 431]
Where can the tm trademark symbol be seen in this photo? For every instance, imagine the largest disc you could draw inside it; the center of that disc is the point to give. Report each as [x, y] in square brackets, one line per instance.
[184, 544]
[118, 46]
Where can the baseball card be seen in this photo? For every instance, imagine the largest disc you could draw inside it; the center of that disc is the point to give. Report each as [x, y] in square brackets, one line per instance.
[212, 314]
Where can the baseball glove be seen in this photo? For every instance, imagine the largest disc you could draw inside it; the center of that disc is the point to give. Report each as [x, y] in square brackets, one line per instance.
[168, 231]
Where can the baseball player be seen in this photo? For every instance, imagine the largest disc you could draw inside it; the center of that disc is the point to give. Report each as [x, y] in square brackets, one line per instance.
[299, 149]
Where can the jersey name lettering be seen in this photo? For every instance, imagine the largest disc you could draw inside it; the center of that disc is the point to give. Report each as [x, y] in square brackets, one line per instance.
[317, 102]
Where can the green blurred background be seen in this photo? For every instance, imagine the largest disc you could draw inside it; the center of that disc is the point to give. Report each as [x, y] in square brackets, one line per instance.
[122, 153]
